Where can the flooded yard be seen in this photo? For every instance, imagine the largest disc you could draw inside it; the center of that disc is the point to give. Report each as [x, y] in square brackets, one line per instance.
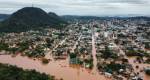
[141, 67]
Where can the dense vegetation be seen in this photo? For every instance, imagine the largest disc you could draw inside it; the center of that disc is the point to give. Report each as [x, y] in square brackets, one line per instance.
[147, 71]
[147, 46]
[8, 72]
[137, 53]
[113, 67]
[38, 51]
[107, 53]
[3, 46]
[30, 18]
[23, 47]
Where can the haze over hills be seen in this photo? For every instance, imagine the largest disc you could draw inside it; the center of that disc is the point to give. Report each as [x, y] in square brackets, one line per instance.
[30, 18]
[71, 17]
[4, 16]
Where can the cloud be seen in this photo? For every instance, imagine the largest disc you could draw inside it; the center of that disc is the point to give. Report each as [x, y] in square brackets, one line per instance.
[81, 7]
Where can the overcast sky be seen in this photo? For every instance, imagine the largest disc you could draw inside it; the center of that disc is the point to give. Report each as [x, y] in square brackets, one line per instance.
[81, 7]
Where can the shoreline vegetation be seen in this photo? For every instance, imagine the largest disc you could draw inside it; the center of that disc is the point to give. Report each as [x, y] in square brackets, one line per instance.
[8, 72]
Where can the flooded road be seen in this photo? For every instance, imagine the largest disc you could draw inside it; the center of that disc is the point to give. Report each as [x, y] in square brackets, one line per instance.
[94, 51]
[141, 67]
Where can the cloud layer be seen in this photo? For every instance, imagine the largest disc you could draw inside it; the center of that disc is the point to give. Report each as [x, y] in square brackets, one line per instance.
[81, 7]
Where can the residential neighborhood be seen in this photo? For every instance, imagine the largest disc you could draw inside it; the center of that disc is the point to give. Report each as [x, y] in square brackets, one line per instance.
[115, 49]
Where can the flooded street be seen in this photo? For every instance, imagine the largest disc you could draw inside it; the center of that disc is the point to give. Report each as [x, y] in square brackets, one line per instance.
[141, 66]
[94, 51]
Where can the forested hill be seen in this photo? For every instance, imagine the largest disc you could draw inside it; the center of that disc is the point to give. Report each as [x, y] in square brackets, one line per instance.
[30, 18]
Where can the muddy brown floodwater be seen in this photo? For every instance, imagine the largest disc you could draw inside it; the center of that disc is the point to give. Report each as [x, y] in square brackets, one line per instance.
[60, 69]
[141, 66]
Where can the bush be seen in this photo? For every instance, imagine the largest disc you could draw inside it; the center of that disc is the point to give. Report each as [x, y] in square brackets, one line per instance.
[107, 53]
[147, 46]
[113, 67]
[147, 71]
[3, 46]
[132, 53]
[72, 55]
[45, 61]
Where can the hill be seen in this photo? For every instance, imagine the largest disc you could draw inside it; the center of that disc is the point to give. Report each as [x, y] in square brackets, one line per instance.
[30, 18]
[56, 17]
